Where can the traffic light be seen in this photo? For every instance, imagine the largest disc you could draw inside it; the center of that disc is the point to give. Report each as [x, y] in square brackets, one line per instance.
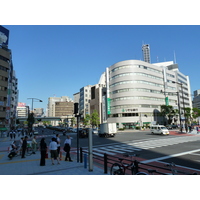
[76, 108]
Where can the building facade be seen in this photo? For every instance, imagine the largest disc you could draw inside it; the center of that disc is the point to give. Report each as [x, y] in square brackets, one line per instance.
[137, 89]
[22, 110]
[60, 107]
[64, 109]
[8, 84]
[85, 96]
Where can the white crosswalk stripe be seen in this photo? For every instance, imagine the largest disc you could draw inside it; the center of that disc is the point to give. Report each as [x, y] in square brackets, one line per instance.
[131, 146]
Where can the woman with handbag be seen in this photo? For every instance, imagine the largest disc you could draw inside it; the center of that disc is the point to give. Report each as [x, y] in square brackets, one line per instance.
[43, 150]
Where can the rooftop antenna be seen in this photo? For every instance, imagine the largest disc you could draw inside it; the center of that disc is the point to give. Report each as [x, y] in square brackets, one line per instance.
[174, 57]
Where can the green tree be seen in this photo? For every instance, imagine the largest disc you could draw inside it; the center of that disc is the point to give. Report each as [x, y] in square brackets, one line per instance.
[86, 120]
[188, 115]
[167, 112]
[94, 118]
[195, 113]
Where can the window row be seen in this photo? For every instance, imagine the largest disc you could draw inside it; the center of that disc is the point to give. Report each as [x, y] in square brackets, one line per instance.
[3, 88]
[3, 78]
[136, 90]
[3, 68]
[134, 106]
[139, 81]
[136, 74]
[137, 98]
[138, 66]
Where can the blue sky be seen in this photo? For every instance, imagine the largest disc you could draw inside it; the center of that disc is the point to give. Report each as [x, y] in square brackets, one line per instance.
[59, 60]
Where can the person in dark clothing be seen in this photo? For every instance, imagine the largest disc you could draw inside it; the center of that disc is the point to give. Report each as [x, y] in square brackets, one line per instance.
[43, 150]
[24, 146]
[67, 147]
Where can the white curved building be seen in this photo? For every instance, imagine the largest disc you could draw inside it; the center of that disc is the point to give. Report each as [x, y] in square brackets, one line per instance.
[134, 91]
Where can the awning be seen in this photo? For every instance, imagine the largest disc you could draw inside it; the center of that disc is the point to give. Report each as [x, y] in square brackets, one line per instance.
[3, 129]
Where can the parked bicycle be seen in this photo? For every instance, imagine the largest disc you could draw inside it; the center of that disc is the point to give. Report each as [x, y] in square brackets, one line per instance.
[121, 167]
[29, 150]
[175, 171]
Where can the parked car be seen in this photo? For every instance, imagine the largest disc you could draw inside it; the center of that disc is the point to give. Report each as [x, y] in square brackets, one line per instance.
[94, 131]
[83, 133]
[35, 133]
[170, 127]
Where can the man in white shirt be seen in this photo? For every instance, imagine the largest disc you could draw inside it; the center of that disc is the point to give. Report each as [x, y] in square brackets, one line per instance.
[53, 151]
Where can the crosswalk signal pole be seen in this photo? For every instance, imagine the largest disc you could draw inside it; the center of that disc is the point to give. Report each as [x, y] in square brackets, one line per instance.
[76, 112]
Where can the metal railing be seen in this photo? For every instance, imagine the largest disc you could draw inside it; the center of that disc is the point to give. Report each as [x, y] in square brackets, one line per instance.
[107, 160]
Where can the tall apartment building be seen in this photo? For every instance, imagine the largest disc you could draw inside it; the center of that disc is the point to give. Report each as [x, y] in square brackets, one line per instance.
[8, 83]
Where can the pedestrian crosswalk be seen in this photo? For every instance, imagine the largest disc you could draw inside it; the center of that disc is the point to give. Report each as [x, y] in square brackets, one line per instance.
[132, 146]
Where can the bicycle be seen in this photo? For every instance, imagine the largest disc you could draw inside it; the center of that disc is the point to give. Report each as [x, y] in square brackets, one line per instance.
[176, 172]
[29, 151]
[120, 168]
[13, 153]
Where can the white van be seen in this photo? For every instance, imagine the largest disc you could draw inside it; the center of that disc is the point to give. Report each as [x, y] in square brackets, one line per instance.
[159, 129]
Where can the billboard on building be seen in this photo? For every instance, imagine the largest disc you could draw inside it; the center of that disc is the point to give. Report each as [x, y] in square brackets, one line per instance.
[20, 104]
[4, 36]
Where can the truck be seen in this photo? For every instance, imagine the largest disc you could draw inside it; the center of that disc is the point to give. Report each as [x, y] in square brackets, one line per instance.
[107, 130]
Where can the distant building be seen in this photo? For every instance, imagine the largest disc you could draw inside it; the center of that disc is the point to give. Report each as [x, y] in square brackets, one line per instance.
[196, 99]
[60, 107]
[38, 112]
[53, 100]
[22, 110]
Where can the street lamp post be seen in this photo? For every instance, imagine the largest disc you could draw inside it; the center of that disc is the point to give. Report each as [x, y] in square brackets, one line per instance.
[33, 101]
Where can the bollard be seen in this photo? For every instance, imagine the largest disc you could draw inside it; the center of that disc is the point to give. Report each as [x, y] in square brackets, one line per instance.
[105, 164]
[81, 155]
[85, 160]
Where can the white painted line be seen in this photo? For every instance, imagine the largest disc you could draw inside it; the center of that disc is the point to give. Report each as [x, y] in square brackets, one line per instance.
[170, 156]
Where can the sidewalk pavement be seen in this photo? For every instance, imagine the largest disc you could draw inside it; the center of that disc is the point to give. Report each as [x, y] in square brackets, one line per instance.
[31, 164]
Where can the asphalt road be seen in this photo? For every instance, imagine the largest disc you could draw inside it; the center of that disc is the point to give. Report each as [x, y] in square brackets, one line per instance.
[181, 149]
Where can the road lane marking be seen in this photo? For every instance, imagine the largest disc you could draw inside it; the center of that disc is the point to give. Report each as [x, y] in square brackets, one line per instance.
[170, 156]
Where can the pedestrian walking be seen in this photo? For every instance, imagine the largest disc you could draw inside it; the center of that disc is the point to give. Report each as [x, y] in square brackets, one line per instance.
[58, 145]
[24, 146]
[14, 134]
[20, 145]
[34, 144]
[67, 147]
[11, 135]
[43, 151]
[53, 151]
